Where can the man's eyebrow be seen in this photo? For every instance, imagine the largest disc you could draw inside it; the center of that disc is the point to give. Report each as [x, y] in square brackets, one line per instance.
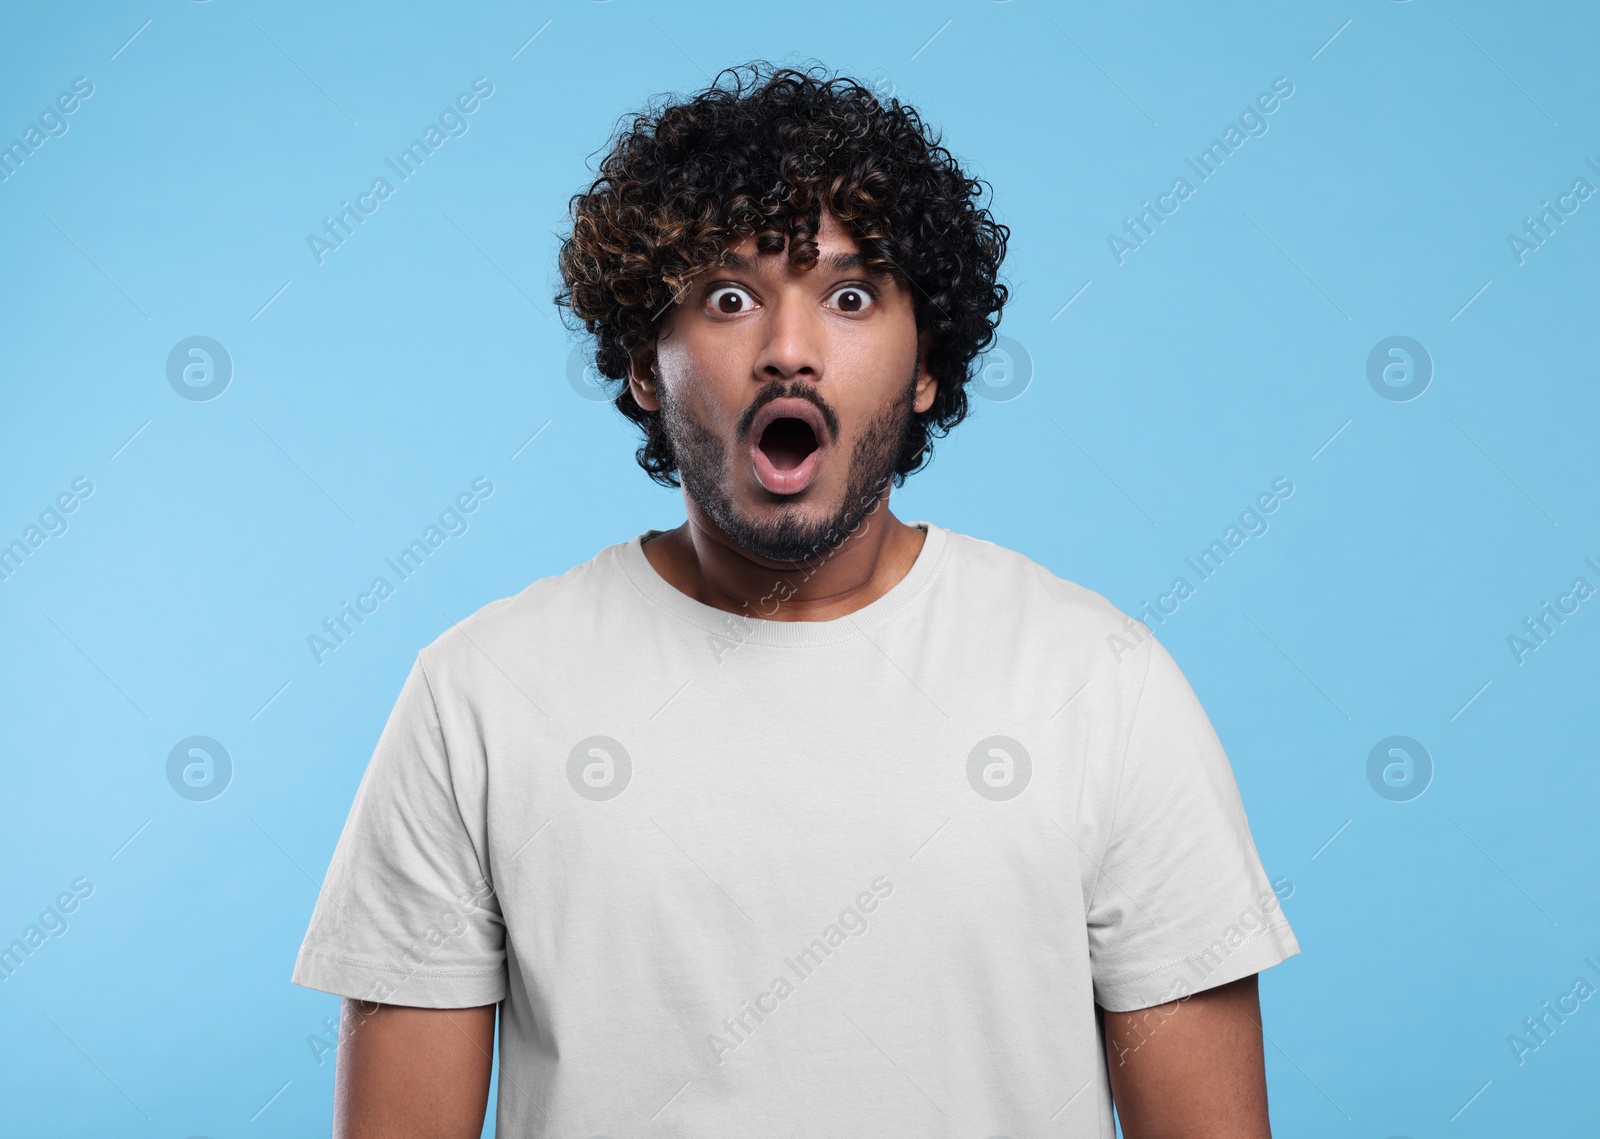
[833, 262]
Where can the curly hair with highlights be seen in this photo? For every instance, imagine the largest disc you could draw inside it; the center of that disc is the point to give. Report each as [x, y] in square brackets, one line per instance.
[760, 152]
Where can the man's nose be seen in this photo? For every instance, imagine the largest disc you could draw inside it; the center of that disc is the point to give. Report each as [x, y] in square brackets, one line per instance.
[793, 346]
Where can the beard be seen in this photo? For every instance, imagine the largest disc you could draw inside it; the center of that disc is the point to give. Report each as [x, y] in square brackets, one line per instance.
[789, 535]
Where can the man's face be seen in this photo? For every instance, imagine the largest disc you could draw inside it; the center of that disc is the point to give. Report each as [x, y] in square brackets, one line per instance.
[786, 393]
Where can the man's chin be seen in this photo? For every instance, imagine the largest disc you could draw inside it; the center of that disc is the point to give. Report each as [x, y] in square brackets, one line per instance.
[790, 532]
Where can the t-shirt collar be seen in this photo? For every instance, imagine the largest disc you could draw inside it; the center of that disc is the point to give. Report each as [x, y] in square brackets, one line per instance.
[758, 630]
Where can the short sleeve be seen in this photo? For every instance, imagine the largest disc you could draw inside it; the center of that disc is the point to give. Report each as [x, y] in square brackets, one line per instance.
[407, 913]
[1181, 902]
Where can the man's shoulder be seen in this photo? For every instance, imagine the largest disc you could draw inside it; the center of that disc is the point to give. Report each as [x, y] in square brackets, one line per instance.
[1022, 585]
[1041, 615]
[550, 612]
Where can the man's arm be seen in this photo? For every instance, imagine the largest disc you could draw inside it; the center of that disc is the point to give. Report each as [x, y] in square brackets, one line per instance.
[412, 1073]
[1191, 1069]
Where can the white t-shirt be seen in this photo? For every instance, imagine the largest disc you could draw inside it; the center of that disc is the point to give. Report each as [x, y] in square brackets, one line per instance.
[733, 876]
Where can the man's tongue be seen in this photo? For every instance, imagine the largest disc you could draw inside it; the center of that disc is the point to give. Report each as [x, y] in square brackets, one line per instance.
[786, 442]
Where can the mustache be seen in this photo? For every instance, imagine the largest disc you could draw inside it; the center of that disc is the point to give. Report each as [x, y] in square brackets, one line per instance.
[779, 390]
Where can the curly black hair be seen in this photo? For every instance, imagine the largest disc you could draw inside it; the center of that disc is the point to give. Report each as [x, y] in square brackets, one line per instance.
[760, 152]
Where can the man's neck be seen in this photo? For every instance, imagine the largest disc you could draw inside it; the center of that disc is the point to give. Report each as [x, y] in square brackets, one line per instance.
[698, 559]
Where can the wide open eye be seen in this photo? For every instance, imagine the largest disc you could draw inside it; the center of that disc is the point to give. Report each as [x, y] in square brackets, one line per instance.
[852, 299]
[729, 300]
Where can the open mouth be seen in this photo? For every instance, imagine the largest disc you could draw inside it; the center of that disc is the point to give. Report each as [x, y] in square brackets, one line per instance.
[786, 445]
[787, 441]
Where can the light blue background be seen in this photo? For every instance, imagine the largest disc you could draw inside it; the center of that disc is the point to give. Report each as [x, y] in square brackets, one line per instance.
[375, 387]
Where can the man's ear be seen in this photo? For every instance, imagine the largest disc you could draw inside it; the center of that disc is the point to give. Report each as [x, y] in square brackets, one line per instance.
[642, 383]
[927, 386]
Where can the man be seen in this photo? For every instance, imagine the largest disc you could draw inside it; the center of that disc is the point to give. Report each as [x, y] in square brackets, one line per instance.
[795, 820]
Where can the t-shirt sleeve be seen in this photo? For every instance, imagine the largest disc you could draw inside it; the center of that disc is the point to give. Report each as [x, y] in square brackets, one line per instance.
[407, 913]
[1181, 902]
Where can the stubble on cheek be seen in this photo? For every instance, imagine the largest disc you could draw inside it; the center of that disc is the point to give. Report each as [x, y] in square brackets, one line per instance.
[702, 457]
